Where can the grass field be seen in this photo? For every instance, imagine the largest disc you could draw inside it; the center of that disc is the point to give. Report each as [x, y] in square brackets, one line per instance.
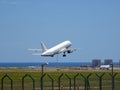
[63, 80]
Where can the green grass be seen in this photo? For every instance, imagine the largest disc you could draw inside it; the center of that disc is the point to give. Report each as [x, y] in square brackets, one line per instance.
[93, 83]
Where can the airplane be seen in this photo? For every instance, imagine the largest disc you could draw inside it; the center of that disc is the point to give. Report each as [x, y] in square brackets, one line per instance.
[105, 67]
[63, 47]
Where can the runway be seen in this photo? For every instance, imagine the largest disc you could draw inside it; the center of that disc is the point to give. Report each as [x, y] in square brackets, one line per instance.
[57, 69]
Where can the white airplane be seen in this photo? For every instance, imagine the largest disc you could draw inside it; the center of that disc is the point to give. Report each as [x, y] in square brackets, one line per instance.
[63, 47]
[105, 67]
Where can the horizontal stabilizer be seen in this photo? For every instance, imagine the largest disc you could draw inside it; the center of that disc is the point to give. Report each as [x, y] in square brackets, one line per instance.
[36, 54]
[35, 49]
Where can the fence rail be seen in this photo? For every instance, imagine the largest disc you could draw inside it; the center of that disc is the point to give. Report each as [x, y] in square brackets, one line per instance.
[78, 81]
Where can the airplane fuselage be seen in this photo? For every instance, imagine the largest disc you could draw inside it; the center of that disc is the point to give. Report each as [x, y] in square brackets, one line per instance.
[62, 47]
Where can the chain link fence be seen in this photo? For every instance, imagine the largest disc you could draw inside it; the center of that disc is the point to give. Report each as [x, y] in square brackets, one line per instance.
[78, 81]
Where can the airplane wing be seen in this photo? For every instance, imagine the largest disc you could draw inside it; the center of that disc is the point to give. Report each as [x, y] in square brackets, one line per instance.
[63, 50]
[69, 50]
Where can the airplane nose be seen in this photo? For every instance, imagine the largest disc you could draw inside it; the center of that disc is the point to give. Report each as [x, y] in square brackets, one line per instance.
[70, 43]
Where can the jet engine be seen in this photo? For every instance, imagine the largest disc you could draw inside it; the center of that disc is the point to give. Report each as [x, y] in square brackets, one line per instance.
[70, 50]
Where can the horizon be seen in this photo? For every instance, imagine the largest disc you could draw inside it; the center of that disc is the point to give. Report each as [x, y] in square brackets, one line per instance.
[64, 62]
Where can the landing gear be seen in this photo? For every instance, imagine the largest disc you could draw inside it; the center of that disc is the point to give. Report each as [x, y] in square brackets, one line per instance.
[64, 55]
[52, 56]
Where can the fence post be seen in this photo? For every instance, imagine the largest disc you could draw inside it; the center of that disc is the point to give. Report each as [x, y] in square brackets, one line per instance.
[75, 80]
[30, 78]
[11, 81]
[100, 80]
[52, 82]
[69, 81]
[113, 80]
[87, 85]
[87, 81]
[42, 83]
[59, 79]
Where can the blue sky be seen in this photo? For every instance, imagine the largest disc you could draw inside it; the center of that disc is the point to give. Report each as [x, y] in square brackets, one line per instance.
[93, 25]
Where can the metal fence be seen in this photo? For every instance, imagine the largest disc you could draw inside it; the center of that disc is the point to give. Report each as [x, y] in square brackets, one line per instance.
[78, 81]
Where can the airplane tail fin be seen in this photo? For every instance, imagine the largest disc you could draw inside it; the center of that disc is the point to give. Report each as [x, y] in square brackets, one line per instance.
[43, 47]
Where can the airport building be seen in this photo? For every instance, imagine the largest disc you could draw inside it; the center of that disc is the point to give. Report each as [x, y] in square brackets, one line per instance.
[108, 61]
[96, 62]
